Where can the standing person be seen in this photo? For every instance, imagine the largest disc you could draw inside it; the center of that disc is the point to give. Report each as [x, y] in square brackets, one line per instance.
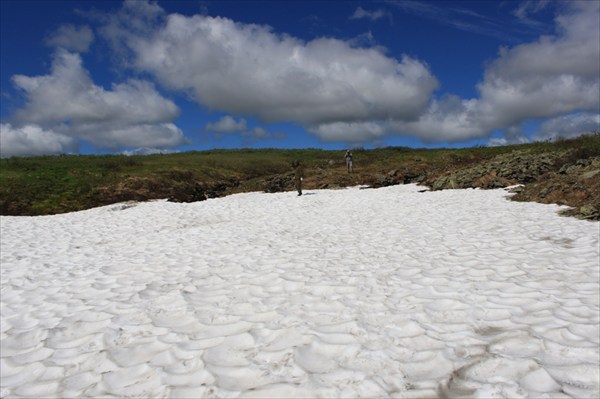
[298, 175]
[348, 157]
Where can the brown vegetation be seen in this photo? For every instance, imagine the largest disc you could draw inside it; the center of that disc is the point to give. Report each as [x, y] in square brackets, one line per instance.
[565, 172]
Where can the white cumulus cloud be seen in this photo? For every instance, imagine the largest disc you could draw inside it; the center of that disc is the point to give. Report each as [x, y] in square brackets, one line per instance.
[33, 140]
[69, 103]
[552, 76]
[549, 77]
[340, 92]
[247, 69]
[73, 38]
[351, 132]
[227, 124]
[257, 133]
[567, 126]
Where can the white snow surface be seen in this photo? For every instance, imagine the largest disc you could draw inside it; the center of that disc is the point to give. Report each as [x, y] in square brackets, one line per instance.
[338, 293]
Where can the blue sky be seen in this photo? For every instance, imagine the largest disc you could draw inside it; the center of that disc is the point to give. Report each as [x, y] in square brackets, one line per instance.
[140, 77]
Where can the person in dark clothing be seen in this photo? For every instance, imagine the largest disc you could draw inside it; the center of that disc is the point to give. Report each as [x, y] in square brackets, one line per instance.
[348, 158]
[298, 175]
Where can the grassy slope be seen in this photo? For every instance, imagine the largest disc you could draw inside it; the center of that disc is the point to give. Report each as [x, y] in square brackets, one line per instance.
[48, 185]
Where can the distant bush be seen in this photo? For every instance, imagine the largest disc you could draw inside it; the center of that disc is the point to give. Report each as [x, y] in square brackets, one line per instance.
[179, 175]
[117, 163]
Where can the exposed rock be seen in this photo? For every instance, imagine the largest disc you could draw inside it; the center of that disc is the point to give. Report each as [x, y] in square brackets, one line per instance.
[516, 189]
[385, 181]
[502, 171]
[491, 181]
[185, 194]
[330, 186]
[575, 185]
[589, 212]
[279, 183]
[196, 191]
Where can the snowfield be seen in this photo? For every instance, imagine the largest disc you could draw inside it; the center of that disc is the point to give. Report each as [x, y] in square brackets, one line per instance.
[338, 293]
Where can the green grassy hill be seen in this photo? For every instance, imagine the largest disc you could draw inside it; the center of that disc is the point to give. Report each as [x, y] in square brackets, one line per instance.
[57, 184]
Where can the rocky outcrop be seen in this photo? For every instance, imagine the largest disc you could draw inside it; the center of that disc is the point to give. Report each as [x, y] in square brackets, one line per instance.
[196, 191]
[556, 178]
[502, 171]
[576, 184]
[392, 178]
[279, 183]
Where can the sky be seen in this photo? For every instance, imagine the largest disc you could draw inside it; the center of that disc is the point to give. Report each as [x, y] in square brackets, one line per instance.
[141, 77]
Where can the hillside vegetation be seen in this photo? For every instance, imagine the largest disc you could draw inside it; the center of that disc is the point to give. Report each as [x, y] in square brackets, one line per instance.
[565, 172]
